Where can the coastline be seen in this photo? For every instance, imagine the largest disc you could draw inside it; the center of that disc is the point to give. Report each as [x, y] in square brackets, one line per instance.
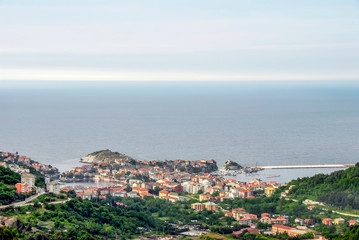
[282, 176]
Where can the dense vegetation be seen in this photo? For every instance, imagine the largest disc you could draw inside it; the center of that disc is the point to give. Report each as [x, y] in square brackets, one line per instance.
[8, 193]
[8, 233]
[8, 176]
[274, 205]
[230, 165]
[340, 189]
[86, 219]
[124, 218]
[107, 155]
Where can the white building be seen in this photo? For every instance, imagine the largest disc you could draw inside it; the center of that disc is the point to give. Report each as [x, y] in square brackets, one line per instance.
[28, 178]
[53, 187]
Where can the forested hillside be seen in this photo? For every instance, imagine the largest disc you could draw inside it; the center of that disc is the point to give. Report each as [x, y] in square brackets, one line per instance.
[8, 176]
[8, 193]
[340, 189]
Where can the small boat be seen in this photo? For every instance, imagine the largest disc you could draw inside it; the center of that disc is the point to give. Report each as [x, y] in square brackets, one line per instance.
[273, 176]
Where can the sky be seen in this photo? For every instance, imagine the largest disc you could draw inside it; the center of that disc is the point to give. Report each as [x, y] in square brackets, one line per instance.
[183, 40]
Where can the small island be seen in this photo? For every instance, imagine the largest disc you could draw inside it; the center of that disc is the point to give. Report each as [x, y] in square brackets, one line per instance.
[230, 165]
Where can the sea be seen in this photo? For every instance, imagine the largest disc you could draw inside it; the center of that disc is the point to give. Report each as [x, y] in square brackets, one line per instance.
[252, 123]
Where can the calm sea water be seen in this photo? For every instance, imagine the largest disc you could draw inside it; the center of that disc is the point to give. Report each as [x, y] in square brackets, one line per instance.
[251, 123]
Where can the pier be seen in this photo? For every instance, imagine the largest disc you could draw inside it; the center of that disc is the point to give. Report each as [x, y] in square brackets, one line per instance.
[309, 166]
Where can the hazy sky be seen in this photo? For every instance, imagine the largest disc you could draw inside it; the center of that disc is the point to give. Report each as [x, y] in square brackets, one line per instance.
[179, 40]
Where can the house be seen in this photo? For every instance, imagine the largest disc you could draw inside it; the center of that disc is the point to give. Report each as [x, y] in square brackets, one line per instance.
[311, 207]
[338, 221]
[308, 221]
[268, 191]
[22, 188]
[279, 220]
[352, 222]
[252, 216]
[299, 221]
[204, 197]
[327, 221]
[238, 213]
[245, 221]
[163, 193]
[265, 219]
[53, 187]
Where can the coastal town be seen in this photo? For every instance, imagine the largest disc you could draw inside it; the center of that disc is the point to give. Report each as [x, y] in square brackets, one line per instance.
[21, 164]
[178, 180]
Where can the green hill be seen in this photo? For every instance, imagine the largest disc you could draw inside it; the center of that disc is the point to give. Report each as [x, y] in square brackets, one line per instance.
[7, 176]
[340, 188]
[230, 165]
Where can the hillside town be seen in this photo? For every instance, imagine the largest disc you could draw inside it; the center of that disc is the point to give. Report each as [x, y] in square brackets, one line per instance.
[21, 164]
[177, 180]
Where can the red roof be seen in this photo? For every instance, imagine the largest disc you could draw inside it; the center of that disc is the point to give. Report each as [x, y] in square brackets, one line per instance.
[282, 227]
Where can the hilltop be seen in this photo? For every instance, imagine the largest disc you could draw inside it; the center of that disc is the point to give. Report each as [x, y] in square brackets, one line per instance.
[230, 165]
[105, 156]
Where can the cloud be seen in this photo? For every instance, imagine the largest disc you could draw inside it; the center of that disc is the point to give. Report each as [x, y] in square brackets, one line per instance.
[124, 75]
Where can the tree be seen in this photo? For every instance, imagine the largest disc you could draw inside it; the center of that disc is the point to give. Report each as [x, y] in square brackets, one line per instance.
[215, 194]
[8, 233]
[128, 188]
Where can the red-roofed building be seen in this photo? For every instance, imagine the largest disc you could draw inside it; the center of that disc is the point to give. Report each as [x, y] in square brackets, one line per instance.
[327, 221]
[245, 221]
[163, 193]
[280, 229]
[228, 214]
[352, 222]
[292, 232]
[22, 188]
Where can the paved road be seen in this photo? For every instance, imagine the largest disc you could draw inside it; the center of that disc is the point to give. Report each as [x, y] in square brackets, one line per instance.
[24, 203]
[346, 214]
[341, 213]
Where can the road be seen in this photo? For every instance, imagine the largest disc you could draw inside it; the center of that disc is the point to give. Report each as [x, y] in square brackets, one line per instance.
[309, 166]
[24, 203]
[340, 213]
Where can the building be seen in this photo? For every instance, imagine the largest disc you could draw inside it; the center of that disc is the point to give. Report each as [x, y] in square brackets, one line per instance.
[238, 213]
[269, 191]
[327, 221]
[204, 197]
[22, 188]
[338, 221]
[53, 187]
[210, 206]
[245, 221]
[292, 232]
[197, 206]
[163, 193]
[29, 179]
[279, 220]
